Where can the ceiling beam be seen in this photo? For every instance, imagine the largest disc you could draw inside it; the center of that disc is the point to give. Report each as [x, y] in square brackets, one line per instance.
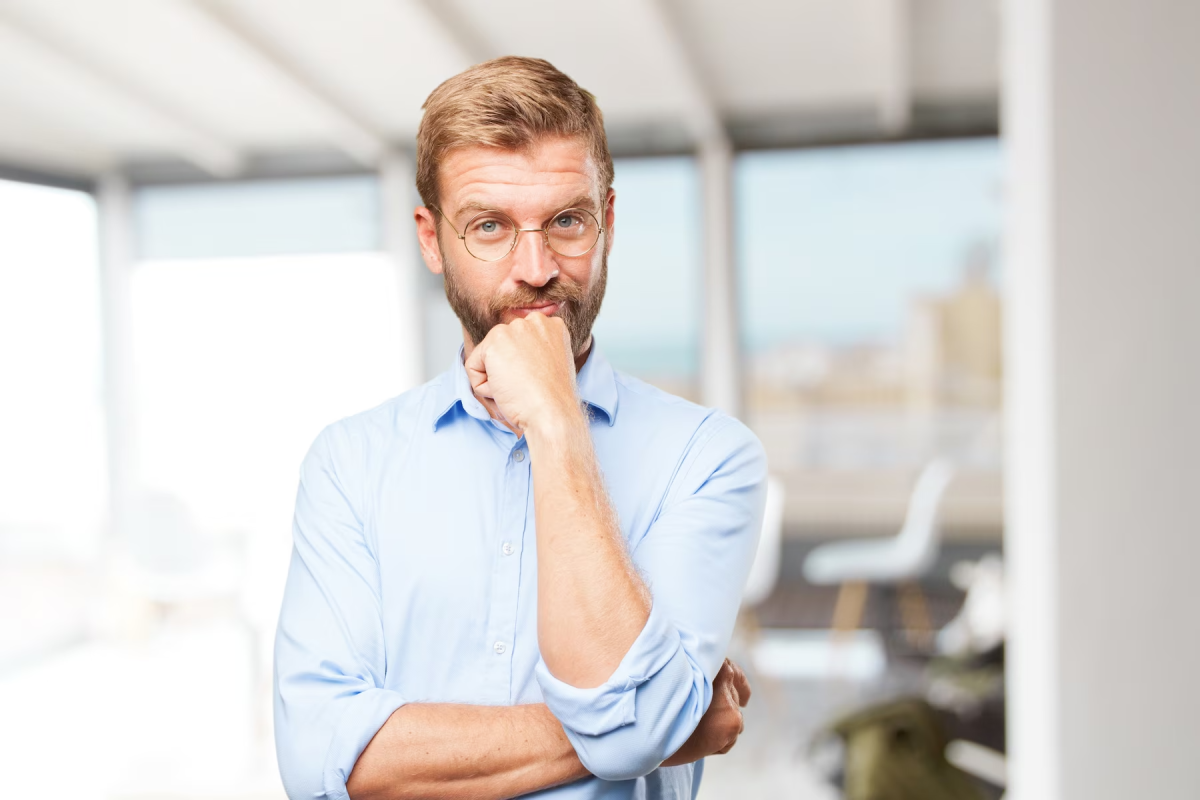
[352, 134]
[23, 173]
[196, 144]
[46, 140]
[454, 26]
[700, 112]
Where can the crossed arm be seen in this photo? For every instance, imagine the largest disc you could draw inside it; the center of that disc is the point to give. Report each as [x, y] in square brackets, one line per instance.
[461, 751]
[491, 752]
[586, 583]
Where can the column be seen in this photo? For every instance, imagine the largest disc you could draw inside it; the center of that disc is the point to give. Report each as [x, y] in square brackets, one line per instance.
[397, 179]
[720, 375]
[114, 206]
[1103, 407]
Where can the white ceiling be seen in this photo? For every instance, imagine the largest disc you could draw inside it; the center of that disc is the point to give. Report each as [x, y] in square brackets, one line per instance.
[91, 85]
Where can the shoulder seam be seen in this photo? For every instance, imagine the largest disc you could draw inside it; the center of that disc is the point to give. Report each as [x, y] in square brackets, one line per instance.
[699, 439]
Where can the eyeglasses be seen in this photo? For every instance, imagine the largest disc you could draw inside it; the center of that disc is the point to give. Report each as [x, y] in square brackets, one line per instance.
[492, 235]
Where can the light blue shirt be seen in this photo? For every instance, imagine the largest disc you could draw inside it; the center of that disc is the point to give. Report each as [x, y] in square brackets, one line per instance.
[413, 579]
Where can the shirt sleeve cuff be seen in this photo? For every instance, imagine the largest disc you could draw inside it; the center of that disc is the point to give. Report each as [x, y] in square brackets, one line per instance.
[362, 717]
[596, 711]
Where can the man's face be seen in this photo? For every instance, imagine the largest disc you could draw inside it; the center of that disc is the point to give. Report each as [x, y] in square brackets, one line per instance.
[530, 187]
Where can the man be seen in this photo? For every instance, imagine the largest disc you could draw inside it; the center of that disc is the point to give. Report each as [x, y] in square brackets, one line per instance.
[524, 574]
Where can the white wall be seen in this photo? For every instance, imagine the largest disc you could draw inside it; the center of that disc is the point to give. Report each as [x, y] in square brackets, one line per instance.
[1101, 118]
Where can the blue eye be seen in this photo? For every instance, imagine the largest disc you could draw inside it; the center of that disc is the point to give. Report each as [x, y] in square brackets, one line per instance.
[565, 221]
[489, 226]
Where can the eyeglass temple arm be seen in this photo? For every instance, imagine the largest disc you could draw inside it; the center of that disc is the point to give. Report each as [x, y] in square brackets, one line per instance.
[446, 217]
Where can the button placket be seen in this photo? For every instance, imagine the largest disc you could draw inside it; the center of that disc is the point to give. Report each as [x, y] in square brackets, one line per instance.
[510, 524]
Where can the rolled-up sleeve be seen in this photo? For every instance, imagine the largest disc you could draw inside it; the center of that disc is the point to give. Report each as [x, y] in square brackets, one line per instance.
[329, 646]
[695, 558]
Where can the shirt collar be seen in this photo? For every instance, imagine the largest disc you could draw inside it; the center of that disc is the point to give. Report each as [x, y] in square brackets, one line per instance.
[596, 382]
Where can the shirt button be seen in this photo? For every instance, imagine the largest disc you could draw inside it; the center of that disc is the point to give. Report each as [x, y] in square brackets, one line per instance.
[507, 548]
[519, 455]
[499, 647]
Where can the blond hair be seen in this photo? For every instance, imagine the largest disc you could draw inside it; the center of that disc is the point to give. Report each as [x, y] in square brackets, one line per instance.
[511, 103]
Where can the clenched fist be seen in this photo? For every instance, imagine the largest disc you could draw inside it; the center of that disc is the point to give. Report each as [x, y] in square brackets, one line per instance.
[526, 370]
[721, 725]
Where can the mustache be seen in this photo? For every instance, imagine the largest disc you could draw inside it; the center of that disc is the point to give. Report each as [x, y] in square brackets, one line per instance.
[558, 291]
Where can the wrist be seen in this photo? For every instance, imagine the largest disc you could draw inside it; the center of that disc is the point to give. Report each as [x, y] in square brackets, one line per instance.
[554, 424]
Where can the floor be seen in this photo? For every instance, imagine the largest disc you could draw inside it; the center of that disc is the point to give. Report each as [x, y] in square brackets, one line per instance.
[803, 678]
[168, 711]
[171, 719]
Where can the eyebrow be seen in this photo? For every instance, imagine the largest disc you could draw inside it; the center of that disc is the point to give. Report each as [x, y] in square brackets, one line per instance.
[583, 201]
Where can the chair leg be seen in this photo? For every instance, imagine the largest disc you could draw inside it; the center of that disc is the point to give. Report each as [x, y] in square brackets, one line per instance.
[847, 618]
[914, 613]
[851, 602]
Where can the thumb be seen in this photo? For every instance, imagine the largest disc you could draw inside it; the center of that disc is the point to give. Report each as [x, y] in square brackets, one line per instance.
[476, 366]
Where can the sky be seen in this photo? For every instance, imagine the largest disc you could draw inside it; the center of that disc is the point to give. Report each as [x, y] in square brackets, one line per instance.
[831, 244]
[650, 320]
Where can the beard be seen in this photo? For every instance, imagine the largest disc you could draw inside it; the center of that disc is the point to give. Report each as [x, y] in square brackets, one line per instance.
[578, 306]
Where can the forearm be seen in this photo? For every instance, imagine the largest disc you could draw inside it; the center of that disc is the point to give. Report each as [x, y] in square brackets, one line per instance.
[450, 751]
[592, 604]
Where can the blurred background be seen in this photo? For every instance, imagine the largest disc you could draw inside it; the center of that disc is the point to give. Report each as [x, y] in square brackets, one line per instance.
[207, 255]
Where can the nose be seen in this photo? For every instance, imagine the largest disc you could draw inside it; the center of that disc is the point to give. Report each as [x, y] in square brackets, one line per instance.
[533, 260]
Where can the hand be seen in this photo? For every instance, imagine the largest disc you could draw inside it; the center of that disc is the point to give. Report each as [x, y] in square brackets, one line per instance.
[721, 725]
[526, 369]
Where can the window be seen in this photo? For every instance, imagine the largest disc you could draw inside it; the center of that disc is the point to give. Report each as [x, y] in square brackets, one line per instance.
[650, 322]
[262, 312]
[871, 320]
[52, 463]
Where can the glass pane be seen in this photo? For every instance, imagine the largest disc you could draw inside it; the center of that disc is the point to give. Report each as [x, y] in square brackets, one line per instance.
[871, 322]
[240, 363]
[649, 325]
[53, 475]
[253, 218]
[52, 463]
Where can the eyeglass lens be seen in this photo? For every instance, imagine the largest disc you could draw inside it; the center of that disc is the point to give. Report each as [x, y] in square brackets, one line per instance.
[491, 235]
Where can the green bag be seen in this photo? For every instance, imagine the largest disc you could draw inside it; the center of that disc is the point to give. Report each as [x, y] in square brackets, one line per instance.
[896, 751]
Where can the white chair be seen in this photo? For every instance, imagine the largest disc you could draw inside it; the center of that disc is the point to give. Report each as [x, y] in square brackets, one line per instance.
[761, 582]
[900, 560]
[170, 563]
[764, 572]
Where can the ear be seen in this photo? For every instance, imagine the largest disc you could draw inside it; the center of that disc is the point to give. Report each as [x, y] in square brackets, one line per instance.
[427, 220]
[610, 219]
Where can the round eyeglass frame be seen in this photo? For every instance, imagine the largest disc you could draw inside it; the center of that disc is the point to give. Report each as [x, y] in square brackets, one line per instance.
[518, 231]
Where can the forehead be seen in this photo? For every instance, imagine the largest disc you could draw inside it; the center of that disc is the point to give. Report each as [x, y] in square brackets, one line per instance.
[531, 180]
